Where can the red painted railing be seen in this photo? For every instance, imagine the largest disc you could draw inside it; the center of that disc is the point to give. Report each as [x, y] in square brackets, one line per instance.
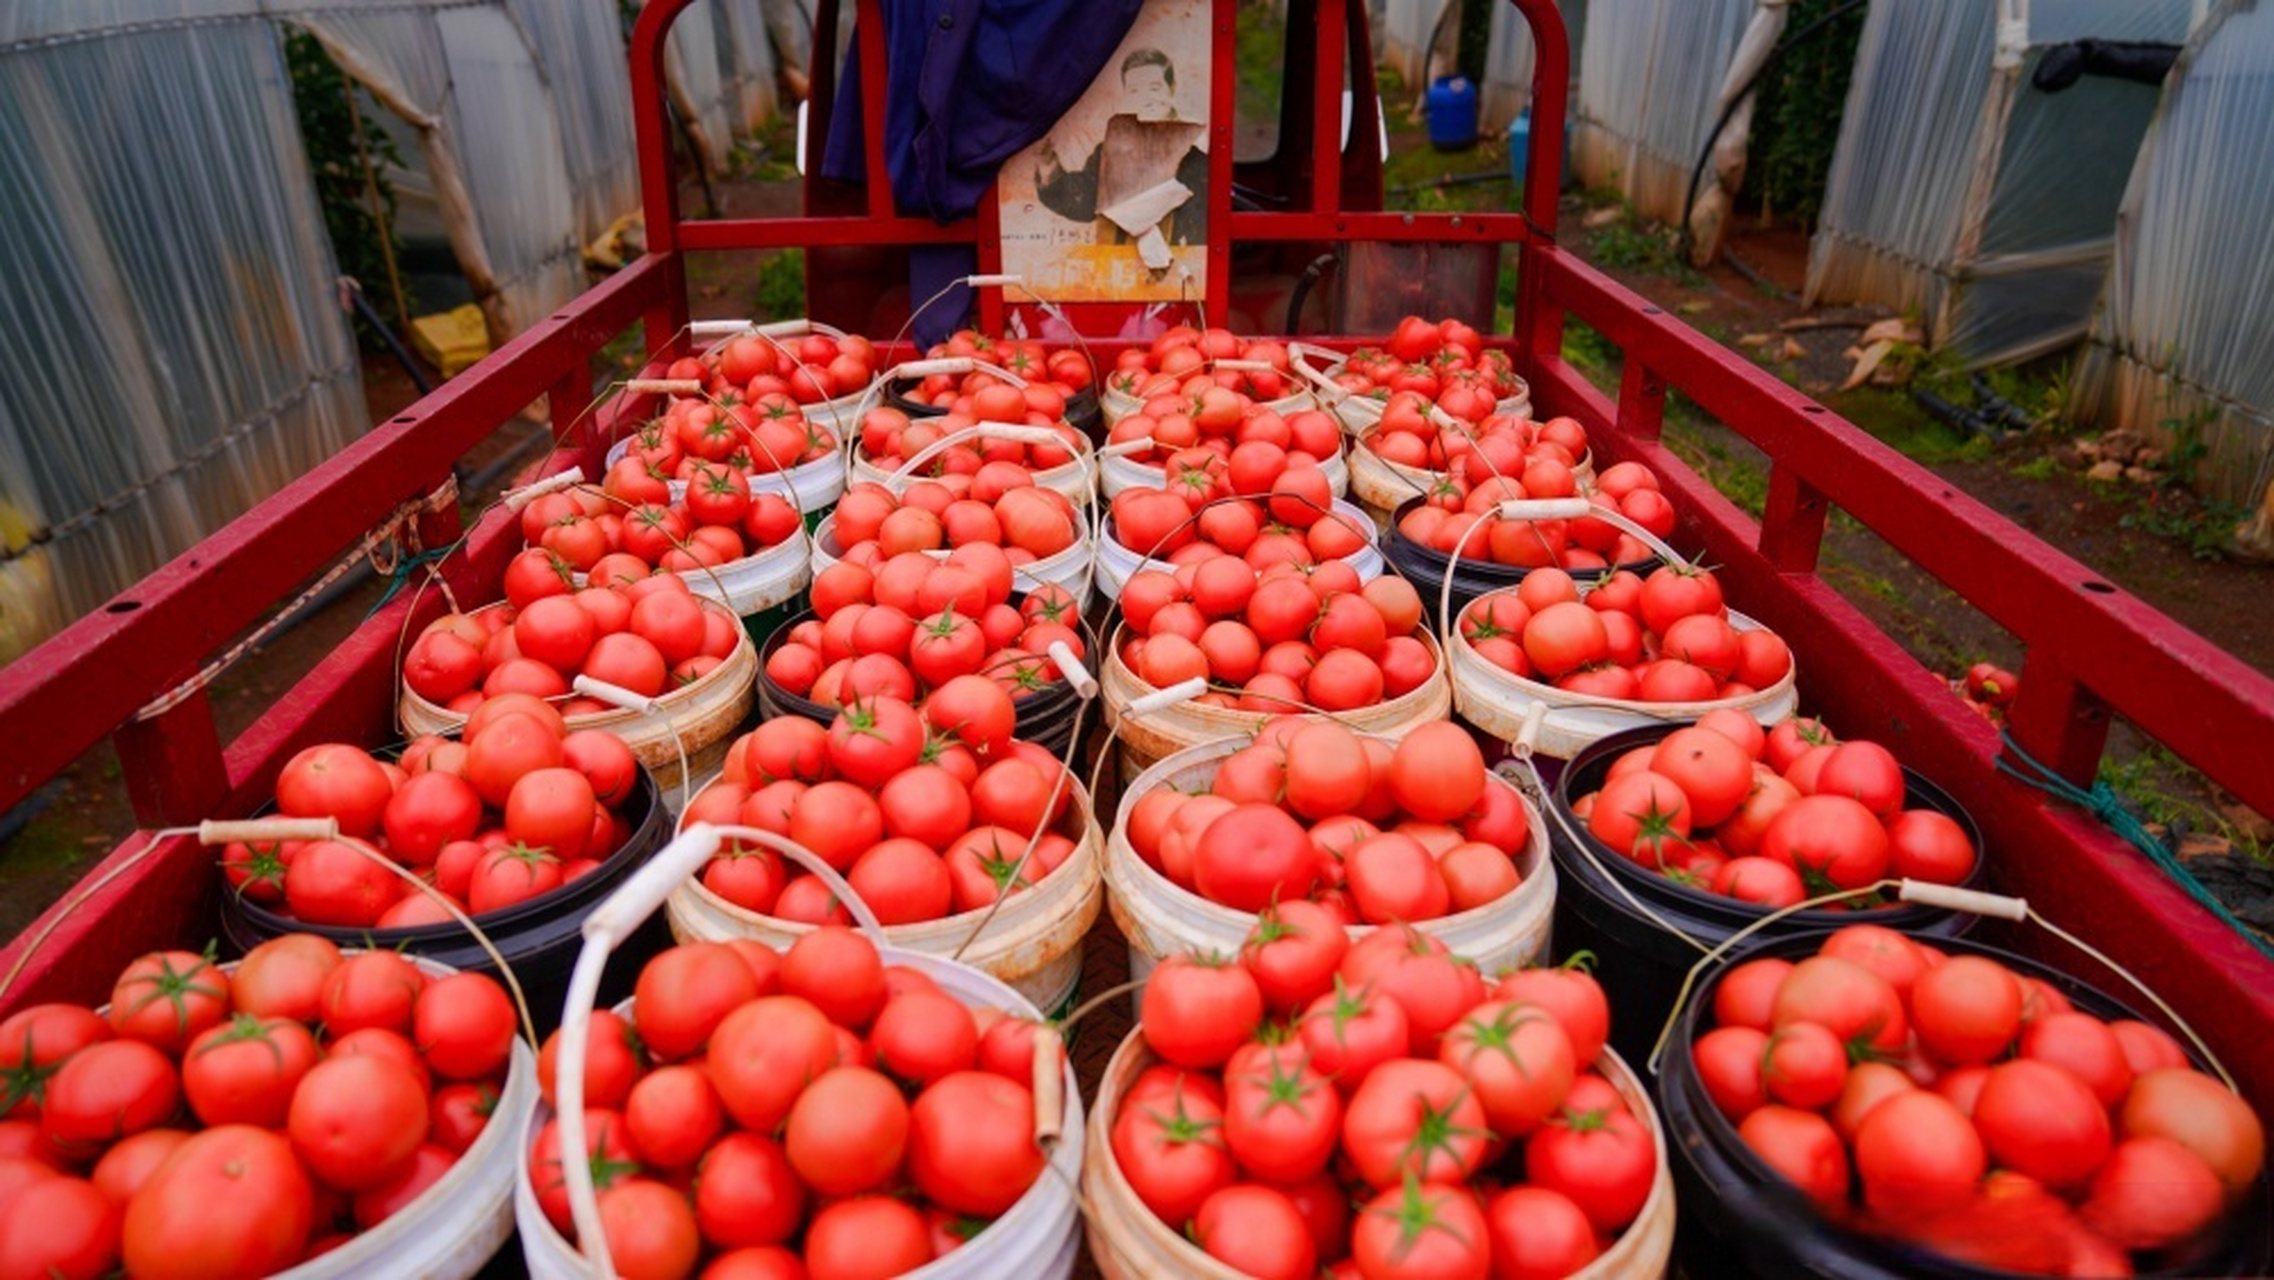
[2093, 650]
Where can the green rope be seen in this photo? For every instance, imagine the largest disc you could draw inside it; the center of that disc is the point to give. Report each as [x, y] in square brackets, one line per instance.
[402, 574]
[2102, 802]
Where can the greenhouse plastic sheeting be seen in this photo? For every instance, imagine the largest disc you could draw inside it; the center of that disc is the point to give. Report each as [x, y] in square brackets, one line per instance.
[698, 89]
[175, 349]
[1650, 75]
[2181, 339]
[746, 62]
[1963, 195]
[580, 51]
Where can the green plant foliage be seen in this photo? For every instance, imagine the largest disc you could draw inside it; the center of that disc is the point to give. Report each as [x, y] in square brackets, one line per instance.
[328, 132]
[781, 287]
[1796, 114]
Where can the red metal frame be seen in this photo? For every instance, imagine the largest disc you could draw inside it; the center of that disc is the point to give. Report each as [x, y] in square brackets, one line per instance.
[2093, 650]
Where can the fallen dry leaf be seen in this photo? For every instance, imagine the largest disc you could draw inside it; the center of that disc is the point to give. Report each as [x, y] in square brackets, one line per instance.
[1867, 363]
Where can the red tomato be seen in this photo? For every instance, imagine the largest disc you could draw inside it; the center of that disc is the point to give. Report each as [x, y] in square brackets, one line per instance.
[2200, 1114]
[650, 1229]
[866, 1236]
[971, 1145]
[371, 989]
[1603, 1160]
[1572, 997]
[1925, 845]
[335, 780]
[1351, 1031]
[1833, 841]
[1422, 1232]
[1916, 1152]
[244, 1071]
[1403, 1098]
[1254, 856]
[1293, 952]
[229, 1201]
[1518, 1060]
[464, 1025]
[746, 1194]
[2039, 1120]
[1642, 815]
[839, 973]
[1538, 1234]
[1282, 1118]
[1801, 1147]
[357, 1121]
[1195, 1011]
[61, 1227]
[33, 1043]
[1257, 1231]
[1967, 1009]
[847, 1132]
[2151, 1193]
[684, 994]
[106, 1091]
[1391, 877]
[1729, 1062]
[1710, 768]
[1170, 1146]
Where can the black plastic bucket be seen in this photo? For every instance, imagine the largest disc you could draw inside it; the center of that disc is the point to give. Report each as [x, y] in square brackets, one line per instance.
[1739, 1219]
[1644, 966]
[540, 938]
[1045, 716]
[1425, 567]
[1083, 413]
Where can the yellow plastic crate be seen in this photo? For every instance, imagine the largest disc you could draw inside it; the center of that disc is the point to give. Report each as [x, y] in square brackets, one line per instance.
[452, 340]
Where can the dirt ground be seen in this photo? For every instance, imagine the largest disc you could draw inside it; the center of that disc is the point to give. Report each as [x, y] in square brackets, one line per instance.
[48, 842]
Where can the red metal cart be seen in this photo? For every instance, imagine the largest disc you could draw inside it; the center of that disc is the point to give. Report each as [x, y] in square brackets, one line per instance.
[2094, 651]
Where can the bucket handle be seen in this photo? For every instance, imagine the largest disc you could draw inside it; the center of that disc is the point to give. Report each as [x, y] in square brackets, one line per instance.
[950, 366]
[1024, 433]
[617, 695]
[1949, 897]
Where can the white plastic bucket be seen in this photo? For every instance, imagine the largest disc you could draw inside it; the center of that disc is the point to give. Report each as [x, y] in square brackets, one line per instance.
[1034, 943]
[1117, 564]
[1129, 1243]
[753, 584]
[809, 486]
[1149, 737]
[1160, 919]
[1382, 486]
[456, 1226]
[1504, 704]
[1075, 479]
[1037, 1236]
[1118, 473]
[698, 720]
[1360, 413]
[1070, 569]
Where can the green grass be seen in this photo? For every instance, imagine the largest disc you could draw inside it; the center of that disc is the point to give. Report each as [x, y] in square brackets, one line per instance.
[1261, 48]
[781, 287]
[2166, 788]
[2042, 467]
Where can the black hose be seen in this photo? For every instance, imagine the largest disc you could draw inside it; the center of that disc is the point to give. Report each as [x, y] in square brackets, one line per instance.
[352, 292]
[1302, 291]
[1776, 55]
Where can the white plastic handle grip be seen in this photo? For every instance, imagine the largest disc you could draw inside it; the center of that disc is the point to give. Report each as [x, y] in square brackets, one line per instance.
[1140, 445]
[1547, 509]
[1069, 666]
[1174, 695]
[797, 328]
[995, 281]
[518, 498]
[1247, 366]
[717, 328]
[664, 387]
[952, 366]
[1019, 431]
[1971, 901]
[614, 695]
[264, 830]
[1049, 1086]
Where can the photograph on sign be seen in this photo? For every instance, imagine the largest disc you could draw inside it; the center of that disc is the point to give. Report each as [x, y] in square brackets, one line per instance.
[1112, 204]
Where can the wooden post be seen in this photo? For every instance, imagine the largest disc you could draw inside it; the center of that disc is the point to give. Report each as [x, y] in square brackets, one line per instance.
[378, 206]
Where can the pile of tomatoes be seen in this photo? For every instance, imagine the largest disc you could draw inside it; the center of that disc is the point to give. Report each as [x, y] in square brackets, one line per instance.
[1275, 640]
[1501, 444]
[1377, 1109]
[649, 634]
[518, 807]
[631, 525]
[1282, 512]
[1664, 638]
[1444, 364]
[926, 813]
[1989, 690]
[1181, 361]
[238, 1123]
[813, 1112]
[1205, 415]
[916, 624]
[1773, 817]
[1446, 518]
[890, 438]
[1955, 1103]
[759, 436]
[999, 505]
[1061, 369]
[1367, 831]
[808, 370]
